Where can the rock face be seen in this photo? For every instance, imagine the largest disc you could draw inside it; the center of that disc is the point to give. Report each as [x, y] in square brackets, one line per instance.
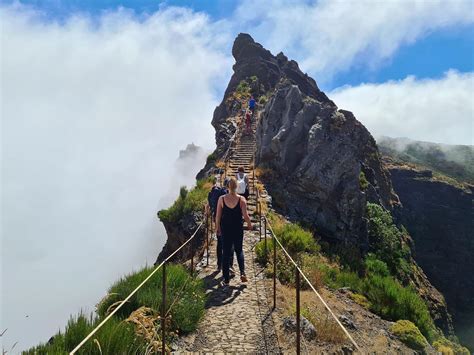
[440, 219]
[300, 133]
[178, 233]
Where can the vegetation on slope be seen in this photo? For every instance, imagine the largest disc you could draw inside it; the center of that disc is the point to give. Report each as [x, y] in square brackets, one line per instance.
[188, 201]
[408, 333]
[136, 326]
[455, 161]
[387, 242]
[377, 288]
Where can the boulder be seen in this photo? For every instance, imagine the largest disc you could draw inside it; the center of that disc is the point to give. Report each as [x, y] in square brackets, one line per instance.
[306, 327]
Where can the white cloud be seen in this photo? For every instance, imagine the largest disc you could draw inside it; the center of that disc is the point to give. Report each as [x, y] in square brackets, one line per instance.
[330, 36]
[94, 113]
[437, 110]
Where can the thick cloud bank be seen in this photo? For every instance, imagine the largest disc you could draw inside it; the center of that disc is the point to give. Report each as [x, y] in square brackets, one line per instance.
[94, 114]
[435, 110]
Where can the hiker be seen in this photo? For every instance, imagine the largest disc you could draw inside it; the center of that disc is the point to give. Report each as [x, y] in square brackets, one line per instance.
[252, 104]
[231, 208]
[248, 121]
[212, 198]
[242, 183]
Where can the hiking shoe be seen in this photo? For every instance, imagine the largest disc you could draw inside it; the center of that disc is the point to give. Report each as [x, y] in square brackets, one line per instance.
[243, 278]
[225, 285]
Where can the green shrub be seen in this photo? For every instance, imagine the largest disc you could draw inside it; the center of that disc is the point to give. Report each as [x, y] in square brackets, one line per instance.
[386, 241]
[409, 334]
[211, 158]
[187, 291]
[386, 296]
[243, 90]
[261, 256]
[262, 100]
[335, 278]
[393, 301]
[285, 269]
[448, 347]
[363, 183]
[187, 202]
[114, 337]
[296, 240]
[376, 266]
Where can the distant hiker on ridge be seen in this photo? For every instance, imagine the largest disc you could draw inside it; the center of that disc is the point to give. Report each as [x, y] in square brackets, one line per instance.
[252, 104]
[231, 208]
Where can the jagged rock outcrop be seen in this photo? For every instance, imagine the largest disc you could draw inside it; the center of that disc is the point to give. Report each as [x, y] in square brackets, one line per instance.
[317, 153]
[180, 231]
[254, 60]
[190, 152]
[440, 219]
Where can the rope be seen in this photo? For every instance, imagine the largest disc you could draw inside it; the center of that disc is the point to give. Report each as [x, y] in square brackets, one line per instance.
[312, 287]
[177, 298]
[133, 292]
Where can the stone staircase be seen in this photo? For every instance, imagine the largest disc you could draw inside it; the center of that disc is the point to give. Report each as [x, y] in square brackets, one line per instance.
[243, 156]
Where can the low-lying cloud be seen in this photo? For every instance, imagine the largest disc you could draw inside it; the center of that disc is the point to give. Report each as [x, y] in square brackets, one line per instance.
[437, 110]
[94, 114]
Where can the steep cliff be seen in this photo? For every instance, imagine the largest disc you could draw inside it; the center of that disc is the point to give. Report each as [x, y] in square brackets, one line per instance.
[440, 218]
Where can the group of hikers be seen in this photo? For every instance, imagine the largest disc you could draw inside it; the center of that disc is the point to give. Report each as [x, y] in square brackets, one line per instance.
[228, 205]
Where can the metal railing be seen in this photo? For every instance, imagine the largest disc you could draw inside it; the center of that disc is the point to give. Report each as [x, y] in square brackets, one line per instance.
[208, 227]
[298, 272]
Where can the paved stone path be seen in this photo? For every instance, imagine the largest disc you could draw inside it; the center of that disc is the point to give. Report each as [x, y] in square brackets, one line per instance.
[237, 319]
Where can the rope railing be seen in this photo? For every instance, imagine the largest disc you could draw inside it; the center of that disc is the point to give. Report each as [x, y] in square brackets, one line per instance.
[298, 273]
[162, 265]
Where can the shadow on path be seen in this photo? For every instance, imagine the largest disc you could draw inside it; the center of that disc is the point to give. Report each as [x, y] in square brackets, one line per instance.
[218, 296]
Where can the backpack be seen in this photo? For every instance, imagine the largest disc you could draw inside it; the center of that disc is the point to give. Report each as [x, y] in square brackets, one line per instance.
[241, 184]
[213, 197]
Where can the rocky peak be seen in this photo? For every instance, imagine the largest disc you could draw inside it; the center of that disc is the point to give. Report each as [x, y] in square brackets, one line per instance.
[191, 151]
[252, 60]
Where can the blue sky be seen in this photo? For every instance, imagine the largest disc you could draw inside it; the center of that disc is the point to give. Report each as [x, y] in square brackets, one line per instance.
[430, 56]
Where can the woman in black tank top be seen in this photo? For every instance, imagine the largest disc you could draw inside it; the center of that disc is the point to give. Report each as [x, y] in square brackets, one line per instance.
[231, 209]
